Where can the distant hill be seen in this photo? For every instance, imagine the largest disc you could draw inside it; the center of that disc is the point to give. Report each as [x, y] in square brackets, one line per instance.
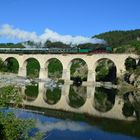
[11, 45]
[122, 41]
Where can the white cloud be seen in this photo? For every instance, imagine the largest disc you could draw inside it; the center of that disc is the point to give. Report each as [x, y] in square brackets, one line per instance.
[8, 31]
[61, 125]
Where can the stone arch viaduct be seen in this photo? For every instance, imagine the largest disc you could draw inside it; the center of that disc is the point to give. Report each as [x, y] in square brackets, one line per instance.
[66, 59]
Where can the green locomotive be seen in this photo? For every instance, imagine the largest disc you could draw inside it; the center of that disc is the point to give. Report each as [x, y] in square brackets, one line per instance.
[96, 50]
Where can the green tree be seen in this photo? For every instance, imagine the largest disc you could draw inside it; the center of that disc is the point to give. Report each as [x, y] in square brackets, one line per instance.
[33, 68]
[11, 127]
[130, 63]
[55, 68]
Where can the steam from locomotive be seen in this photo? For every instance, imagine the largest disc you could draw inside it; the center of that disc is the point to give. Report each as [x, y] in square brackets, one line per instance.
[8, 31]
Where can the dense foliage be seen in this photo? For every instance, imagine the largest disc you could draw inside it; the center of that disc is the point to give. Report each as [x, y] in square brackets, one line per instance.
[55, 68]
[33, 68]
[53, 96]
[106, 71]
[104, 99]
[76, 99]
[8, 94]
[11, 45]
[9, 65]
[11, 127]
[31, 92]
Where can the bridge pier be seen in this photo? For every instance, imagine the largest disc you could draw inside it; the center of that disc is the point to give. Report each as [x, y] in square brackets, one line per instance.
[91, 78]
[120, 68]
[22, 72]
[63, 102]
[43, 73]
[88, 105]
[66, 74]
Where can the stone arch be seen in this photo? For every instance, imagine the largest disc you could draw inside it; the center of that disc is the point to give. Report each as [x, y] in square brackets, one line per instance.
[79, 73]
[11, 64]
[130, 63]
[35, 71]
[52, 66]
[106, 74]
[77, 96]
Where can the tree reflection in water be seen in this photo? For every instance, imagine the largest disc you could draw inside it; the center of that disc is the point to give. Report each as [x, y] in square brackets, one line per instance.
[31, 92]
[52, 96]
[131, 104]
[128, 108]
[77, 96]
[104, 99]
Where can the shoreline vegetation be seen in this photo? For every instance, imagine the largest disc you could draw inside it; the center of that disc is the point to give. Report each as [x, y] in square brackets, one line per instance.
[12, 127]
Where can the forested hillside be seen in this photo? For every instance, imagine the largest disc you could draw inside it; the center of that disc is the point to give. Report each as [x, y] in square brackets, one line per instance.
[122, 41]
[11, 45]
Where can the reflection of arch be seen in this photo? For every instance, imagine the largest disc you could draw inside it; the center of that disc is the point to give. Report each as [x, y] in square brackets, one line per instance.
[104, 99]
[83, 65]
[52, 97]
[13, 64]
[30, 93]
[110, 74]
[56, 67]
[25, 64]
[77, 96]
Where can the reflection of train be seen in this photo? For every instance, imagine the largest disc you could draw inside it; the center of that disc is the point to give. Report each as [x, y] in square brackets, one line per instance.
[56, 50]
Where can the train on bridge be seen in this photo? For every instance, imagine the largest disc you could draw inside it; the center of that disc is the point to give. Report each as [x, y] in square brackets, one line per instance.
[103, 49]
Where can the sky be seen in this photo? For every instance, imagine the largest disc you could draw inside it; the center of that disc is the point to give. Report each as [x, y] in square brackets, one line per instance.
[70, 17]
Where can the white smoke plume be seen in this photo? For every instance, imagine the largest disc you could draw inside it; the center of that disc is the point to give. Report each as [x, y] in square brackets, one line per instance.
[8, 31]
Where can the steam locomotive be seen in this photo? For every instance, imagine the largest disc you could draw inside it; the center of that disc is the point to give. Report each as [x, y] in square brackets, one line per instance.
[104, 49]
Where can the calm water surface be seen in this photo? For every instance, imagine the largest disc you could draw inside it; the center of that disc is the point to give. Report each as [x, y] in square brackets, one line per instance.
[68, 130]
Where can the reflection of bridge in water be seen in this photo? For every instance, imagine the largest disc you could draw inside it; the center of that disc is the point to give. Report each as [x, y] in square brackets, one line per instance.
[88, 107]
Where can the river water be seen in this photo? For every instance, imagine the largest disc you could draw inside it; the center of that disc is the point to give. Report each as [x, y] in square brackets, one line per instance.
[71, 126]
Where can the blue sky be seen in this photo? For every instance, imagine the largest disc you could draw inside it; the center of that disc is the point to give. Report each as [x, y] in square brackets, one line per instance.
[73, 17]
